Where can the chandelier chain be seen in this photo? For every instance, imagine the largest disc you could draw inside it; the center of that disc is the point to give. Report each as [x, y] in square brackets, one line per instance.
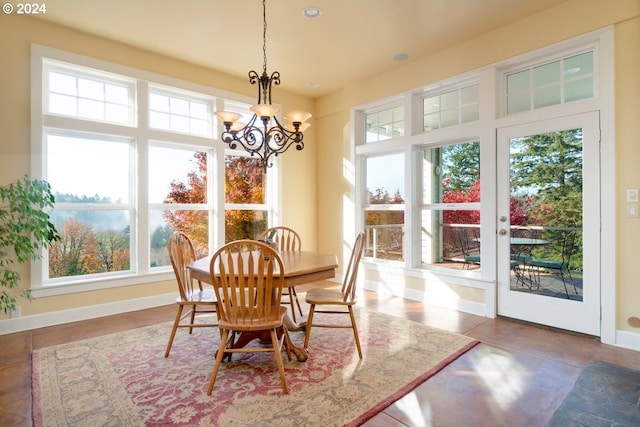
[264, 36]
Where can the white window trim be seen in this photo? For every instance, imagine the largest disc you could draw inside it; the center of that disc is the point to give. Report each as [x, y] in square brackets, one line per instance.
[139, 132]
[492, 116]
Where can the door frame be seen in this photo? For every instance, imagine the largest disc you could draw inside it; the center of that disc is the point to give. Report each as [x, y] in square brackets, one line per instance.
[577, 316]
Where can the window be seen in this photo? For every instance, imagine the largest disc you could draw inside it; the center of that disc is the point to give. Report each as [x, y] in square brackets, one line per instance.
[385, 124]
[179, 113]
[451, 108]
[89, 98]
[126, 175]
[450, 209]
[384, 207]
[90, 177]
[178, 189]
[566, 80]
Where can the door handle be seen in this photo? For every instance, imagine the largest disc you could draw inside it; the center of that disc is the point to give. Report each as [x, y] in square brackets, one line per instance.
[502, 232]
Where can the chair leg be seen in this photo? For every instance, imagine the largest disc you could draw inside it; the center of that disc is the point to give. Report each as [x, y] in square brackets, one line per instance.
[219, 356]
[307, 332]
[355, 331]
[173, 331]
[287, 341]
[295, 297]
[193, 318]
[278, 356]
[291, 303]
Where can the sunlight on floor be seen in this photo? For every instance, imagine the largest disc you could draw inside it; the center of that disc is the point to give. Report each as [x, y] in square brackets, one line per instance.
[418, 416]
[501, 376]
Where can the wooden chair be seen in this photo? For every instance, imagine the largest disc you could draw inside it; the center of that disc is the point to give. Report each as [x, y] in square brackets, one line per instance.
[345, 297]
[247, 278]
[181, 253]
[286, 239]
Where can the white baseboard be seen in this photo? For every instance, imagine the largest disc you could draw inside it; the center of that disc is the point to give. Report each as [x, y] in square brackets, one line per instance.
[26, 323]
[464, 306]
[626, 339]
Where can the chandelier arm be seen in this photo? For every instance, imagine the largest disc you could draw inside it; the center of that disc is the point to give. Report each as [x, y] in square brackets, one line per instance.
[258, 138]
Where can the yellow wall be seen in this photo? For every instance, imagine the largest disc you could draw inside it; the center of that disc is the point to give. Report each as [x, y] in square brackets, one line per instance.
[565, 21]
[16, 36]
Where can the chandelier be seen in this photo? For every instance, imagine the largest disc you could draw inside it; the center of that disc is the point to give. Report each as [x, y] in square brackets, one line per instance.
[264, 135]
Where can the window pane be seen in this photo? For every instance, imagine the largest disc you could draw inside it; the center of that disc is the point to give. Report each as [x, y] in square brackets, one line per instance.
[177, 175]
[518, 82]
[385, 179]
[91, 242]
[451, 239]
[162, 224]
[384, 232]
[245, 180]
[384, 217]
[546, 75]
[244, 224]
[518, 102]
[579, 66]
[578, 89]
[451, 174]
[62, 83]
[84, 169]
[91, 89]
[546, 96]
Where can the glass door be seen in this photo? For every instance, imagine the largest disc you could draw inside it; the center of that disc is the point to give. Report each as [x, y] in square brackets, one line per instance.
[549, 223]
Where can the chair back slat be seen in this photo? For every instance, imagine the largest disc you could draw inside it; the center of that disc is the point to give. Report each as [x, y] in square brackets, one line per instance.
[181, 254]
[247, 277]
[351, 274]
[286, 238]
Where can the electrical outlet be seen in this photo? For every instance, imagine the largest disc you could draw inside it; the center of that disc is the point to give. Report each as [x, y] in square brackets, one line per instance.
[16, 312]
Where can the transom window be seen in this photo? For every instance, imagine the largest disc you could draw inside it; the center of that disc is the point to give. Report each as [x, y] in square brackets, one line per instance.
[565, 80]
[384, 124]
[451, 108]
[179, 113]
[74, 94]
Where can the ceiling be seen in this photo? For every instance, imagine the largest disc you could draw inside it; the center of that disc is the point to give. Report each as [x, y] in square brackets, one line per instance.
[351, 39]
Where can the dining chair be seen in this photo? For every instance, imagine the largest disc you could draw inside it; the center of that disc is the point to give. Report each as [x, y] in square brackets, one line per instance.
[286, 239]
[331, 299]
[181, 254]
[469, 245]
[248, 278]
[566, 240]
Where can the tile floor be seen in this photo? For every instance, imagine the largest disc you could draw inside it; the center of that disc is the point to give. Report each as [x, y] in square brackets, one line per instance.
[517, 376]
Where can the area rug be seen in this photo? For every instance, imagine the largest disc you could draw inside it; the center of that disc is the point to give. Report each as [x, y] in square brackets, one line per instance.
[604, 395]
[124, 379]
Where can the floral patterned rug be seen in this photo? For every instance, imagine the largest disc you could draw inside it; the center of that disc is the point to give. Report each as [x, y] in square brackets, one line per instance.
[124, 379]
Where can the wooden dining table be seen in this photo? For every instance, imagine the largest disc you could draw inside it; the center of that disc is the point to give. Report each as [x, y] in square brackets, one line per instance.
[300, 267]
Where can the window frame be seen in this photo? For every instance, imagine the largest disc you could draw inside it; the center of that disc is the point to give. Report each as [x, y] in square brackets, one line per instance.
[143, 136]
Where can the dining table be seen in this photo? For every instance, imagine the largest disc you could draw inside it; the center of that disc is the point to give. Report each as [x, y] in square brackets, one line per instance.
[300, 267]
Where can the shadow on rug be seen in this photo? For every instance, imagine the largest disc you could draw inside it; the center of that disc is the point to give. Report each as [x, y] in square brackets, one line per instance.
[604, 395]
[125, 380]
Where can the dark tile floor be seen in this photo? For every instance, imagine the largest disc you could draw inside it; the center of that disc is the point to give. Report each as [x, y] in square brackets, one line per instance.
[518, 376]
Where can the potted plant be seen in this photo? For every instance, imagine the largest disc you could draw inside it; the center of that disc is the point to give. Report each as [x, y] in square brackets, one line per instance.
[25, 228]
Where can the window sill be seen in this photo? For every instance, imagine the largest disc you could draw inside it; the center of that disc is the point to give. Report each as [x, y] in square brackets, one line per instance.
[103, 283]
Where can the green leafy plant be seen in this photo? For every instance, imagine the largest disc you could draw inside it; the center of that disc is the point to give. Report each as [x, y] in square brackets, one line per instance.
[25, 228]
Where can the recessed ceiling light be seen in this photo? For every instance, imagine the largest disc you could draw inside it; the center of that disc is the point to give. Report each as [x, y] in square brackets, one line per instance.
[400, 57]
[311, 12]
[313, 85]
